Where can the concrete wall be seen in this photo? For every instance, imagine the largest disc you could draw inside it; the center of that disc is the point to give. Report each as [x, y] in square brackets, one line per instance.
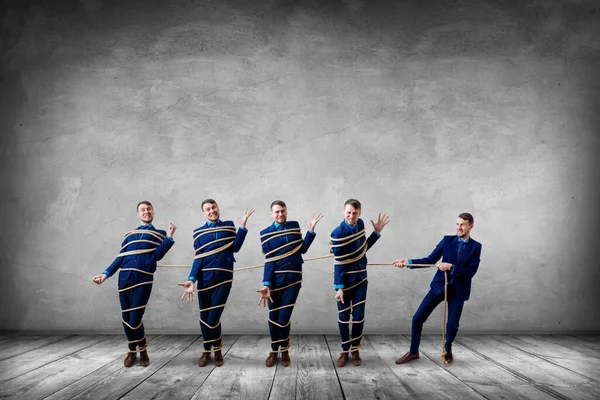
[419, 109]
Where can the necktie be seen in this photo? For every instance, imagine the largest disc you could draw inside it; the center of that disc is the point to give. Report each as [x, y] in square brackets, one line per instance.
[461, 246]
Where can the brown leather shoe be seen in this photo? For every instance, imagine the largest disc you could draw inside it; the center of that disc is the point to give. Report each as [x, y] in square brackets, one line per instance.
[218, 358]
[271, 360]
[285, 359]
[448, 358]
[407, 357]
[130, 359]
[341, 362]
[204, 359]
[144, 359]
[356, 358]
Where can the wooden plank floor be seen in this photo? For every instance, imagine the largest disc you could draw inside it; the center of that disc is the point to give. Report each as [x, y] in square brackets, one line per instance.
[485, 367]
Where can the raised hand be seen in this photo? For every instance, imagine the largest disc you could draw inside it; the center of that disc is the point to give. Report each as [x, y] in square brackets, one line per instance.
[382, 221]
[313, 222]
[98, 279]
[265, 295]
[247, 213]
[401, 263]
[339, 295]
[171, 230]
[188, 289]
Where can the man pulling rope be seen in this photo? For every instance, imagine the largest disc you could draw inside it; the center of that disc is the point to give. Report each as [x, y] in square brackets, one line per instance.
[460, 256]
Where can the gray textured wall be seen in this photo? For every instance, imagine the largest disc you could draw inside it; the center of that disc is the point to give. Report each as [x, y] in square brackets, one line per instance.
[419, 109]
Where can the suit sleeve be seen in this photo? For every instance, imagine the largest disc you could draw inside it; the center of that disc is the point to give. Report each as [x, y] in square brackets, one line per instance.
[240, 236]
[269, 270]
[163, 247]
[372, 239]
[470, 269]
[338, 270]
[196, 265]
[112, 268]
[308, 239]
[435, 255]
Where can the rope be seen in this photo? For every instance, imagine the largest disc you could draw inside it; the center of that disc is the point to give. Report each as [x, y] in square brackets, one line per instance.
[144, 231]
[352, 348]
[134, 286]
[122, 253]
[206, 231]
[214, 349]
[214, 286]
[443, 355]
[137, 270]
[140, 241]
[139, 350]
[305, 260]
[135, 252]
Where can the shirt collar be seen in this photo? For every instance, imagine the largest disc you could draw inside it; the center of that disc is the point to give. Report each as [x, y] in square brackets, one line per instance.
[276, 225]
[216, 223]
[351, 226]
[464, 241]
[149, 226]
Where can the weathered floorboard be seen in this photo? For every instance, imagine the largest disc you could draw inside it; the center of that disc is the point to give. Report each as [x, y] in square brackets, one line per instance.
[24, 343]
[486, 378]
[371, 380]
[181, 377]
[506, 367]
[36, 358]
[424, 378]
[311, 374]
[582, 363]
[549, 377]
[114, 380]
[244, 375]
[52, 377]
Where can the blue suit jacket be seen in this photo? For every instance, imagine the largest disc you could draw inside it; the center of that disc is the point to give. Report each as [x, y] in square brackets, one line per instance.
[464, 268]
[223, 259]
[291, 263]
[340, 278]
[144, 262]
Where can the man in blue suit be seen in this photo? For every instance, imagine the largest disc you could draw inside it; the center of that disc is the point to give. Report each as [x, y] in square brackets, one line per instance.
[140, 251]
[349, 245]
[460, 256]
[283, 246]
[214, 244]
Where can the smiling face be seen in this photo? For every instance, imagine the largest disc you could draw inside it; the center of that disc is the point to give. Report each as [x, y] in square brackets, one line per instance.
[211, 211]
[463, 228]
[279, 214]
[146, 213]
[351, 214]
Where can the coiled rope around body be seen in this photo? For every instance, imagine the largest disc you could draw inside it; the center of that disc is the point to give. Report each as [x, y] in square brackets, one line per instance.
[343, 260]
[199, 254]
[297, 243]
[157, 236]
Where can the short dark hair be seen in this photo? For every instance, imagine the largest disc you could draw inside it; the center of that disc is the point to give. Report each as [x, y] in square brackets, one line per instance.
[207, 201]
[467, 217]
[280, 203]
[146, 202]
[354, 203]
